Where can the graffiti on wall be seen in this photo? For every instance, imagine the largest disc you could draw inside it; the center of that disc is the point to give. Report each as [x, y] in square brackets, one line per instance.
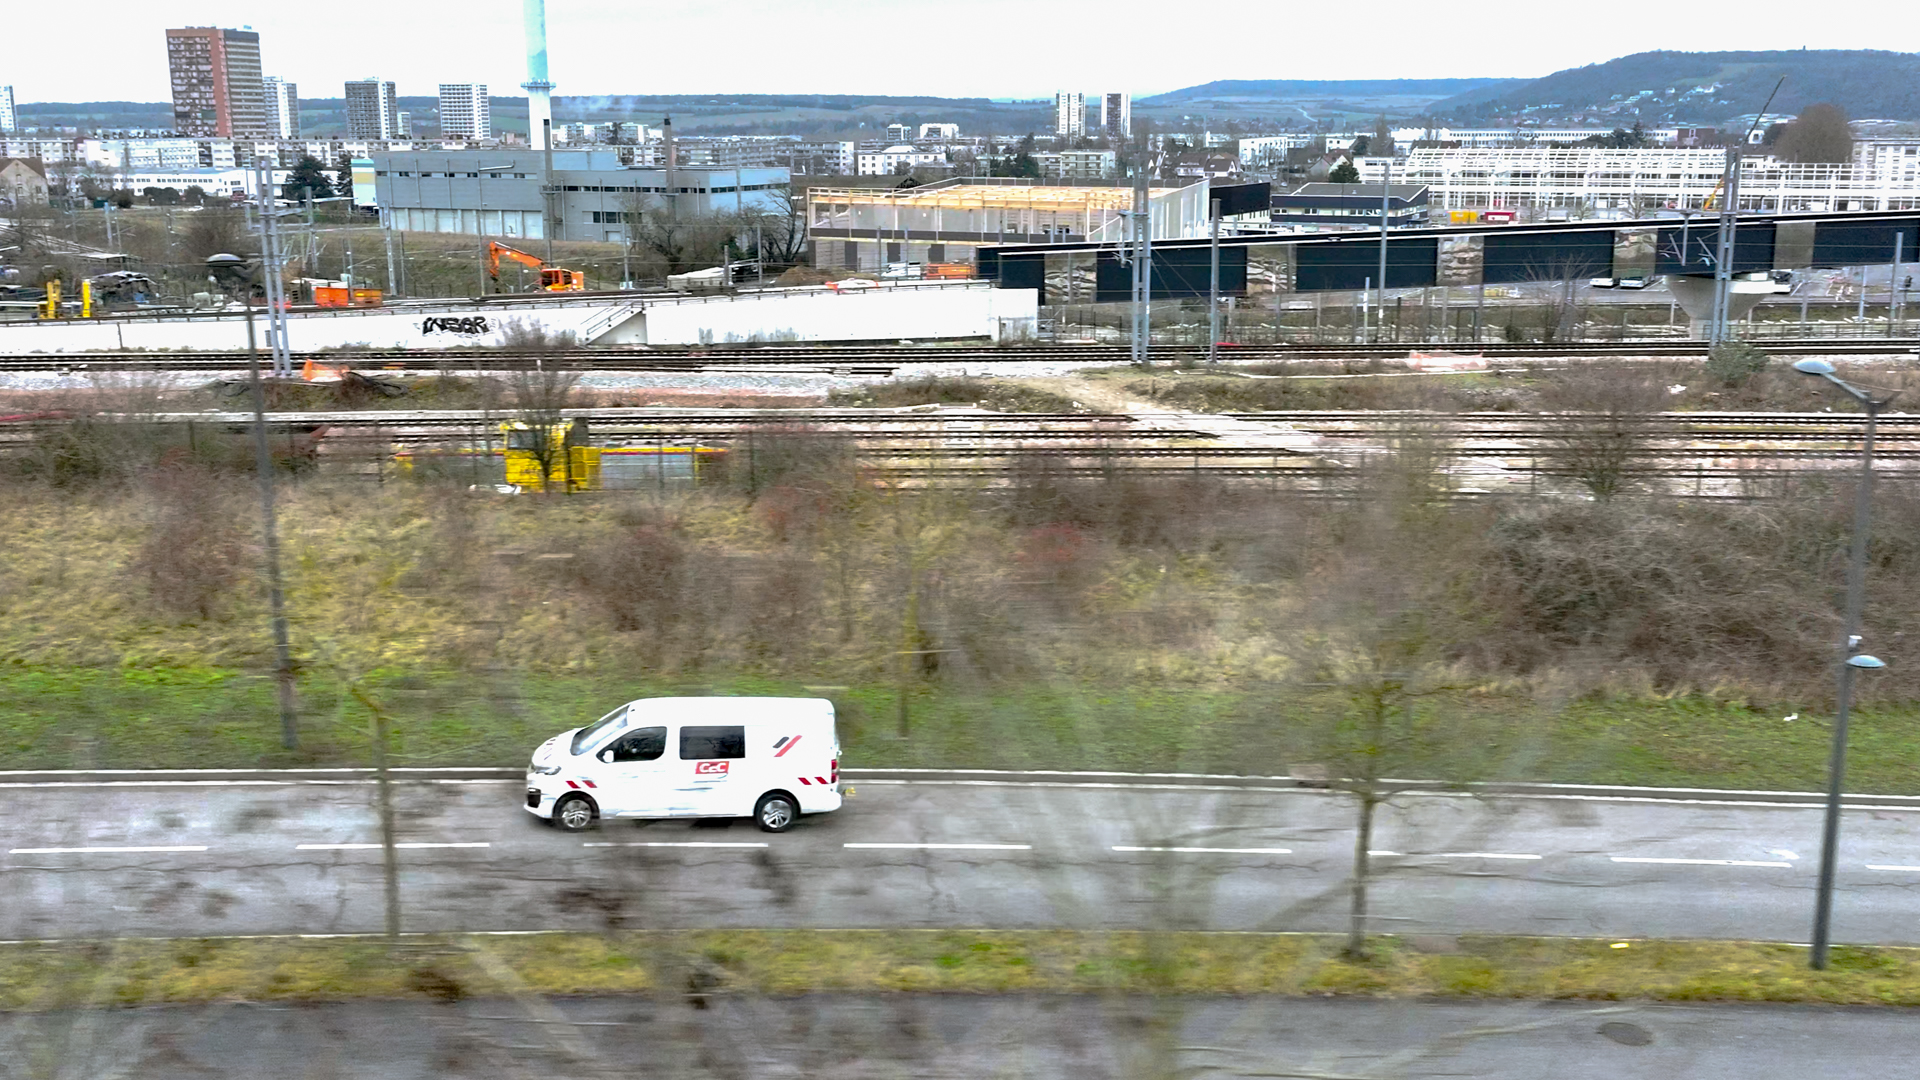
[471, 324]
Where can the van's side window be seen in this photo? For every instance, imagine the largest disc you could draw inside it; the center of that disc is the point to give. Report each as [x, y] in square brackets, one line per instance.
[707, 743]
[645, 744]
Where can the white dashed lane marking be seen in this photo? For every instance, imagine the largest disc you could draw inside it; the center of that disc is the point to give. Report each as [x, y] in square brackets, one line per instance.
[1703, 862]
[1212, 850]
[1484, 855]
[942, 847]
[410, 846]
[1884, 866]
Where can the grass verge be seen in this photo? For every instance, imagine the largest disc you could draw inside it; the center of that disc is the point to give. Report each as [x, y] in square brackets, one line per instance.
[201, 718]
[53, 975]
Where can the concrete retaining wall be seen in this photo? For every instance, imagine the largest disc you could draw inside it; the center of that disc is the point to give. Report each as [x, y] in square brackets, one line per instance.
[919, 312]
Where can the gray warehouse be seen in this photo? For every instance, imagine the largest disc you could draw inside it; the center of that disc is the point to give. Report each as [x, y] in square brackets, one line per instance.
[497, 193]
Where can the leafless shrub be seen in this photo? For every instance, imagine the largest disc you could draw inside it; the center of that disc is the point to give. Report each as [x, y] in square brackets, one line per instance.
[1602, 426]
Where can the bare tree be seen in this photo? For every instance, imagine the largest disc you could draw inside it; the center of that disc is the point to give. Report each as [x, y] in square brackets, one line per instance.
[1601, 424]
[540, 396]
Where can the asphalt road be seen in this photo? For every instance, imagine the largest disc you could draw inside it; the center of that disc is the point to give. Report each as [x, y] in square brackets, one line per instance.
[939, 1036]
[86, 859]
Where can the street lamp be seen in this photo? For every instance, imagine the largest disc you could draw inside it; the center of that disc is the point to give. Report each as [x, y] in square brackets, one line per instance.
[237, 274]
[1851, 658]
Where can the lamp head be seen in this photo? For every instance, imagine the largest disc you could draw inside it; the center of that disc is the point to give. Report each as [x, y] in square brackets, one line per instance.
[1865, 662]
[1817, 368]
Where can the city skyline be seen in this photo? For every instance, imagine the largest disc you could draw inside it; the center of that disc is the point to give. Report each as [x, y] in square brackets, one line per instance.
[591, 44]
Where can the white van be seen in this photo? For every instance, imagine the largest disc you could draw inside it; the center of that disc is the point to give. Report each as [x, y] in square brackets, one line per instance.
[771, 759]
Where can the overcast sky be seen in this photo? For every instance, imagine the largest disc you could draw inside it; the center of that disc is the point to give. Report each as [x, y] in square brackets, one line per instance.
[975, 48]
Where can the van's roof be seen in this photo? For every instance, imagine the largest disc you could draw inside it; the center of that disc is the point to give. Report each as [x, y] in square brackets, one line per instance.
[735, 709]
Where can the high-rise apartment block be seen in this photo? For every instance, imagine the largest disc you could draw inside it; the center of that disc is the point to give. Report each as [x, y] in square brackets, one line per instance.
[370, 110]
[465, 111]
[1116, 115]
[1069, 113]
[9, 120]
[403, 124]
[283, 108]
[217, 88]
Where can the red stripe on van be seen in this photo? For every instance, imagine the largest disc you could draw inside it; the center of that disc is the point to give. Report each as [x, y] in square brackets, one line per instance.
[795, 742]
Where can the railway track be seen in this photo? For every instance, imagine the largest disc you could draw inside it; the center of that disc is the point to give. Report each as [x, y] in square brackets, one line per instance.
[885, 359]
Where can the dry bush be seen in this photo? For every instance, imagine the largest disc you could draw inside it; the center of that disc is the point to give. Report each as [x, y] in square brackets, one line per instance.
[191, 559]
[1687, 595]
[1601, 431]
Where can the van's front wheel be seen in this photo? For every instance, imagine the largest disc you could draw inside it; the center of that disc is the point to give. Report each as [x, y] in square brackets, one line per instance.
[573, 813]
[775, 811]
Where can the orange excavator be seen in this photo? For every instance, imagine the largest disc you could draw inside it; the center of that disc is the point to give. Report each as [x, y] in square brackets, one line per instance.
[552, 278]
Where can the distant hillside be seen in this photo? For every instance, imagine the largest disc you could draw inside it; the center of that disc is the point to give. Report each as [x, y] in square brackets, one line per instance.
[1712, 86]
[1295, 89]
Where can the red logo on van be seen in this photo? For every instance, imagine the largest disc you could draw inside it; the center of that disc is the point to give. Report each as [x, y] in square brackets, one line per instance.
[710, 768]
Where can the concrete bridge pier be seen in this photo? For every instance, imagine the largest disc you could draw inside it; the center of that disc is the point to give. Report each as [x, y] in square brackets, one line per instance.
[1695, 296]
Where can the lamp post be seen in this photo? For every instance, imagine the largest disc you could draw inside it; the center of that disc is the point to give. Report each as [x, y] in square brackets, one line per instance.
[1851, 659]
[236, 273]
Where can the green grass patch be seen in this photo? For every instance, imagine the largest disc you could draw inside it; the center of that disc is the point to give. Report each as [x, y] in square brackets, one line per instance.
[55, 975]
[62, 718]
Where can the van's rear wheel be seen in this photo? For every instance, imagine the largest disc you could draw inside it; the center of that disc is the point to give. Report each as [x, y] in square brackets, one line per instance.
[573, 813]
[775, 811]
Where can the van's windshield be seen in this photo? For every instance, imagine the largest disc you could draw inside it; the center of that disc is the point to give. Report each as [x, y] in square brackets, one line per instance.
[590, 734]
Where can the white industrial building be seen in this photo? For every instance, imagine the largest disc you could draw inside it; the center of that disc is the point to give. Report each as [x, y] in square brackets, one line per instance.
[465, 111]
[1633, 180]
[216, 183]
[1887, 160]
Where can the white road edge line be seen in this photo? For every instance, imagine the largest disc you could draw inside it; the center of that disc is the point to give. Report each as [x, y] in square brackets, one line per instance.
[945, 847]
[1212, 850]
[1704, 862]
[103, 850]
[1483, 855]
[410, 845]
[1884, 866]
[677, 843]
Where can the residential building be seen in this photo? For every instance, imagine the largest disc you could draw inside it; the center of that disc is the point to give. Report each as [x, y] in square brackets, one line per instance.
[1069, 113]
[940, 132]
[9, 119]
[950, 220]
[1270, 151]
[897, 159]
[23, 181]
[403, 124]
[466, 111]
[283, 108]
[1886, 160]
[898, 133]
[370, 110]
[497, 192]
[1082, 164]
[1116, 115]
[1203, 165]
[1316, 207]
[217, 85]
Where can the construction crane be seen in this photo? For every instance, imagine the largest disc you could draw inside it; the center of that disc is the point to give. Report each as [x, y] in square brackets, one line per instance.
[552, 278]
